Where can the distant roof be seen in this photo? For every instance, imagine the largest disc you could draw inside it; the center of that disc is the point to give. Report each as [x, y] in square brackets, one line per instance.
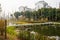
[42, 2]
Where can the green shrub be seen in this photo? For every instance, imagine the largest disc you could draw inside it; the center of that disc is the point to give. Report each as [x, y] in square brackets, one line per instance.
[11, 30]
[24, 35]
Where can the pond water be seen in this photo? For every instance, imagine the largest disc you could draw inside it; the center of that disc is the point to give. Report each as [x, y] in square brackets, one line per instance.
[48, 29]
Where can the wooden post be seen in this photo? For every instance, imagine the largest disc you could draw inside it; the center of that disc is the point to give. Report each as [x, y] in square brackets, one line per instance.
[5, 29]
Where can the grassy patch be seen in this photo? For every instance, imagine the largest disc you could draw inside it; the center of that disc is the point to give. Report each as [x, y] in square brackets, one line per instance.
[11, 33]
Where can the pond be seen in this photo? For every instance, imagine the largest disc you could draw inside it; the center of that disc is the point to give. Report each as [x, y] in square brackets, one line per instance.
[42, 28]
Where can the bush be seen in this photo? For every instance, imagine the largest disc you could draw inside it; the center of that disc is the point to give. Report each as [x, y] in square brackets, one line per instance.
[11, 33]
[24, 35]
[11, 30]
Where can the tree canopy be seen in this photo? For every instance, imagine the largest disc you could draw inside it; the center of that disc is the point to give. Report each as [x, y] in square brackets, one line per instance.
[52, 14]
[16, 14]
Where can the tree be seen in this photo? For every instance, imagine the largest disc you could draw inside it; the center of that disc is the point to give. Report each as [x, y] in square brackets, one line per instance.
[3, 24]
[39, 12]
[58, 14]
[17, 14]
[54, 14]
[35, 15]
[28, 14]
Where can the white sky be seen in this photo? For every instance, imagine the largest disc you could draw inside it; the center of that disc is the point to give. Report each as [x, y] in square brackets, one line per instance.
[12, 5]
